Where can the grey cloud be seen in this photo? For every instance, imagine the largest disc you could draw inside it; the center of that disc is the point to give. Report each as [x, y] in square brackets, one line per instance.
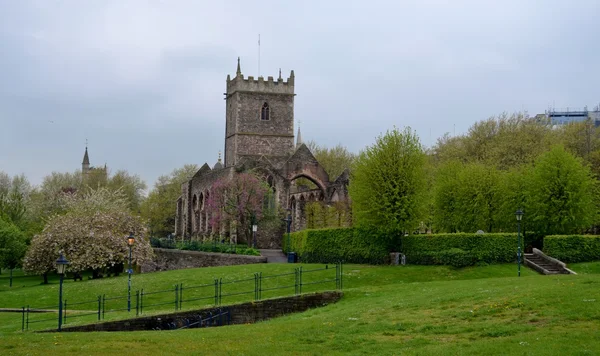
[143, 81]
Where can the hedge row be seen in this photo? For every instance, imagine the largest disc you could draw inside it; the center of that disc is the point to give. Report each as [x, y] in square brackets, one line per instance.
[350, 245]
[354, 245]
[461, 249]
[573, 248]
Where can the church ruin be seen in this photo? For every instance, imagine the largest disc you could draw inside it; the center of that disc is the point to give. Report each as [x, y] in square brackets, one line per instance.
[259, 137]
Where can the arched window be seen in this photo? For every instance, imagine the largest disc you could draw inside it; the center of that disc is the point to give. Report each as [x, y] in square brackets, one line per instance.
[265, 112]
[269, 200]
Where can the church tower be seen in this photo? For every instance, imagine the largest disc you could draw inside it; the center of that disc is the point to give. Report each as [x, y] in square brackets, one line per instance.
[85, 165]
[259, 117]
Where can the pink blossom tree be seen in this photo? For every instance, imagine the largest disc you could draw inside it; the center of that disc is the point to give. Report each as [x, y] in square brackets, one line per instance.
[237, 200]
[92, 234]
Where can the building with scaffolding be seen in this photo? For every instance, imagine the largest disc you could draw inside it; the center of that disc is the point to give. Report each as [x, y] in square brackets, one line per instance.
[569, 115]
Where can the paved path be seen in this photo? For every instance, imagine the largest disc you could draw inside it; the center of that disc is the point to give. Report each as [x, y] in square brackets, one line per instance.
[273, 256]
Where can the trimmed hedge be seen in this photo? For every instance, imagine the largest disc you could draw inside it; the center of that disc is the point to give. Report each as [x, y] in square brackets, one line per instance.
[460, 250]
[573, 248]
[350, 245]
[355, 245]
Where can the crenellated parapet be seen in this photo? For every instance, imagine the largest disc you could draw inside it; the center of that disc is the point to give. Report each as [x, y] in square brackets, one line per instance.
[251, 84]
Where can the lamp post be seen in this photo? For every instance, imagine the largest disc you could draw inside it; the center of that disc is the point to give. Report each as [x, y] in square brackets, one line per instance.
[61, 266]
[519, 214]
[130, 242]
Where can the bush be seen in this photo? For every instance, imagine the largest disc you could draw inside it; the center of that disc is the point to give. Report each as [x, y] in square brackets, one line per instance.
[162, 242]
[350, 245]
[460, 249]
[455, 257]
[573, 248]
[240, 249]
[372, 246]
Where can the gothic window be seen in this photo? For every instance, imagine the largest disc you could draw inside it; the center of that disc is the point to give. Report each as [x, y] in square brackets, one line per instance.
[269, 199]
[265, 112]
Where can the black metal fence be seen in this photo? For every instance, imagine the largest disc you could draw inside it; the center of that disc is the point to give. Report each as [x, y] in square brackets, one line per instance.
[220, 291]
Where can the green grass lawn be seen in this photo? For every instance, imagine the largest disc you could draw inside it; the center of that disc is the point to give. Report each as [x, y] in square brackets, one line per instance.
[385, 311]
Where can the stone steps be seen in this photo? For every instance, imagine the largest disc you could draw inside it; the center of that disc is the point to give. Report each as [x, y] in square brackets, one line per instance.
[544, 265]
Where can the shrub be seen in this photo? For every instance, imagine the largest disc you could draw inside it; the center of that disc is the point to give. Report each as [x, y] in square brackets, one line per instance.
[372, 246]
[460, 249]
[162, 242]
[573, 248]
[239, 249]
[455, 257]
[350, 245]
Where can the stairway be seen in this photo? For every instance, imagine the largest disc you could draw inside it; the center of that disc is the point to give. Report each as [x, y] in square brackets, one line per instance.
[545, 264]
[273, 255]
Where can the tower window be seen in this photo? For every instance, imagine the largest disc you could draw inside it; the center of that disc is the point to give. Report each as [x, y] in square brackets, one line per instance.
[265, 112]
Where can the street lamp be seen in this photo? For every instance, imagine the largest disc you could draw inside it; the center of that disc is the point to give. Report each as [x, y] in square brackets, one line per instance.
[61, 266]
[519, 214]
[130, 242]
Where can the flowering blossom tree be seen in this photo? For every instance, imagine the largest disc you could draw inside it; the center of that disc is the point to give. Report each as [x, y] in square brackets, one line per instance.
[92, 234]
[237, 200]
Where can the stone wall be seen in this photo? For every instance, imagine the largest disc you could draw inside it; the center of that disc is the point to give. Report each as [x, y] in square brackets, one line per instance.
[167, 259]
[245, 313]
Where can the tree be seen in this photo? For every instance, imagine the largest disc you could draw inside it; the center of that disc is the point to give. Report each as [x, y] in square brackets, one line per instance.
[12, 206]
[387, 184]
[14, 196]
[334, 160]
[92, 234]
[479, 198]
[49, 198]
[504, 141]
[160, 207]
[12, 246]
[562, 194]
[132, 186]
[446, 197]
[514, 196]
[237, 200]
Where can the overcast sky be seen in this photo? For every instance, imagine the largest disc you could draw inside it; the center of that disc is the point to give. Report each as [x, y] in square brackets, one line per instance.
[143, 81]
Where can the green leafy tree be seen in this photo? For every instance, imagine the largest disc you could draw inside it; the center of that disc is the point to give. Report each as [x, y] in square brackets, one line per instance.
[14, 198]
[446, 199]
[503, 141]
[160, 207]
[479, 198]
[334, 159]
[49, 198]
[12, 246]
[514, 195]
[132, 186]
[562, 194]
[388, 183]
[468, 197]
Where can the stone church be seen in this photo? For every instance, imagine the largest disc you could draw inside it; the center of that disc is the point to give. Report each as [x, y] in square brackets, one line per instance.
[259, 137]
[88, 172]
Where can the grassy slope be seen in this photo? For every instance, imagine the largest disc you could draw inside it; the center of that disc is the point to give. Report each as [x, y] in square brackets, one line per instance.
[385, 310]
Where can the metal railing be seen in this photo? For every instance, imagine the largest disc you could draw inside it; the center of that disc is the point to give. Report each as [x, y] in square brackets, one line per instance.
[202, 295]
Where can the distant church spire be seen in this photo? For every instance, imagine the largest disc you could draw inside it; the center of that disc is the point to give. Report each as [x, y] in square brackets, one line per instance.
[299, 138]
[85, 165]
[279, 73]
[86, 157]
[239, 71]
